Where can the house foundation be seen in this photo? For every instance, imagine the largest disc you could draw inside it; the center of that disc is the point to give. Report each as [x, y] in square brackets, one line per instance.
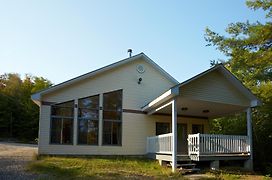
[248, 165]
[214, 165]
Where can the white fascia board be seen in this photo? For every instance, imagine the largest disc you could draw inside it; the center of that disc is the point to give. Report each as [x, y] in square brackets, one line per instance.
[159, 108]
[36, 98]
[171, 93]
[255, 103]
[197, 76]
[161, 70]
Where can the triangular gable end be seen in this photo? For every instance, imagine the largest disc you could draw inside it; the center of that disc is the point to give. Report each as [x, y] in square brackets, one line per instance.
[37, 96]
[219, 85]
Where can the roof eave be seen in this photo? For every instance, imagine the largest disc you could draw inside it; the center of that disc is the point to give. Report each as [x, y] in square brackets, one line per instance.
[165, 97]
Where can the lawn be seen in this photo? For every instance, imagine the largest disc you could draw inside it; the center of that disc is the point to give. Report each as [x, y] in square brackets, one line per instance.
[101, 168]
[120, 168]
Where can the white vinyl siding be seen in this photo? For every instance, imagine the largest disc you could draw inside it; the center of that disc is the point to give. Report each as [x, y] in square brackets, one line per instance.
[222, 90]
[135, 127]
[125, 77]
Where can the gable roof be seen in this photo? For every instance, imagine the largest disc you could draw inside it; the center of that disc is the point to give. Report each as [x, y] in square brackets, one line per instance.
[37, 96]
[231, 77]
[175, 90]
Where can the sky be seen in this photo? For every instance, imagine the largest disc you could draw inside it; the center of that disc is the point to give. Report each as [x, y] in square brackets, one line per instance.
[60, 40]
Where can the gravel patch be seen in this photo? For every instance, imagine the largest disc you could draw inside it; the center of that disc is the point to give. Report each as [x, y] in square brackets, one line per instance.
[14, 158]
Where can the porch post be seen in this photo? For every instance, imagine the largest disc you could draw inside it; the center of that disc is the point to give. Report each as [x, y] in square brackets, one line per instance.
[75, 122]
[174, 134]
[100, 119]
[249, 163]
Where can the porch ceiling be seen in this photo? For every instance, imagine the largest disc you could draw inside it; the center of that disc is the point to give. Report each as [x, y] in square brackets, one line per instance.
[198, 108]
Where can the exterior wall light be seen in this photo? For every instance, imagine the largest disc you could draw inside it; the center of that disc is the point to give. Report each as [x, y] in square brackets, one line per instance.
[140, 80]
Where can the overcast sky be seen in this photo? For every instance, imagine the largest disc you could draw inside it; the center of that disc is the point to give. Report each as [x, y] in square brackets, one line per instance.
[60, 40]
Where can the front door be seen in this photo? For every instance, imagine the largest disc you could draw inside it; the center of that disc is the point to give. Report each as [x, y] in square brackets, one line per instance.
[182, 139]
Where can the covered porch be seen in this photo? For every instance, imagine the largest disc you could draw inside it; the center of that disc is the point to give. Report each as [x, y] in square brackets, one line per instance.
[211, 94]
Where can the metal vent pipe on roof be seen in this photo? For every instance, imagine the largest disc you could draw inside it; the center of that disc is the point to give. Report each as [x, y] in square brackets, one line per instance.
[129, 52]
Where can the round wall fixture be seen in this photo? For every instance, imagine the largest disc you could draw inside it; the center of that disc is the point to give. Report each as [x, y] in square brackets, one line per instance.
[140, 68]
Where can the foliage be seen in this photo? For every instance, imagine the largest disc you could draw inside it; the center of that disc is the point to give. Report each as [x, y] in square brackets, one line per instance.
[19, 116]
[101, 168]
[248, 47]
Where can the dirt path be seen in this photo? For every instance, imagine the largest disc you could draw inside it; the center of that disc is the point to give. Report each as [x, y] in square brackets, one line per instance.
[13, 159]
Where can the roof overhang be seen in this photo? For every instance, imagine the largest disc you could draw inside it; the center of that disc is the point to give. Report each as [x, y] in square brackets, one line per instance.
[162, 99]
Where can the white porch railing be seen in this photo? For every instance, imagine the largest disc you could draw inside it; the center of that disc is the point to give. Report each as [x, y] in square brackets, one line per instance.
[159, 144]
[217, 144]
[201, 144]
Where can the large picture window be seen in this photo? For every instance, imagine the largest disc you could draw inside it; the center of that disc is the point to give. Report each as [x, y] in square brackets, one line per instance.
[112, 118]
[62, 117]
[88, 116]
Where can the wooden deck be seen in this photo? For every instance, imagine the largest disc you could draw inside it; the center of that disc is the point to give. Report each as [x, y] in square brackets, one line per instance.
[168, 157]
[201, 147]
[208, 157]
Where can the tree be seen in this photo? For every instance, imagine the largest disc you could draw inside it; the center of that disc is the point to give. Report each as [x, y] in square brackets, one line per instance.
[248, 48]
[19, 116]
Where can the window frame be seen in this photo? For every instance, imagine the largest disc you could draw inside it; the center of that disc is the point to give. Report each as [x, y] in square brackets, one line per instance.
[62, 118]
[112, 120]
[202, 128]
[168, 123]
[88, 119]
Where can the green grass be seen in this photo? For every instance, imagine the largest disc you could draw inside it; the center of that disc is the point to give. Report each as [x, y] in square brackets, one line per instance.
[101, 168]
[120, 167]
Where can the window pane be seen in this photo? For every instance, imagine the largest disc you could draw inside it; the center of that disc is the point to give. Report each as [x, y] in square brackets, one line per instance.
[88, 131]
[197, 128]
[82, 131]
[162, 128]
[112, 112]
[62, 125]
[113, 101]
[107, 132]
[66, 104]
[64, 109]
[67, 131]
[112, 115]
[56, 130]
[89, 102]
[87, 113]
[92, 132]
[116, 133]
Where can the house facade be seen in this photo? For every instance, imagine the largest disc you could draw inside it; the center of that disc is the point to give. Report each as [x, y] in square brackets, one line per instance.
[123, 108]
